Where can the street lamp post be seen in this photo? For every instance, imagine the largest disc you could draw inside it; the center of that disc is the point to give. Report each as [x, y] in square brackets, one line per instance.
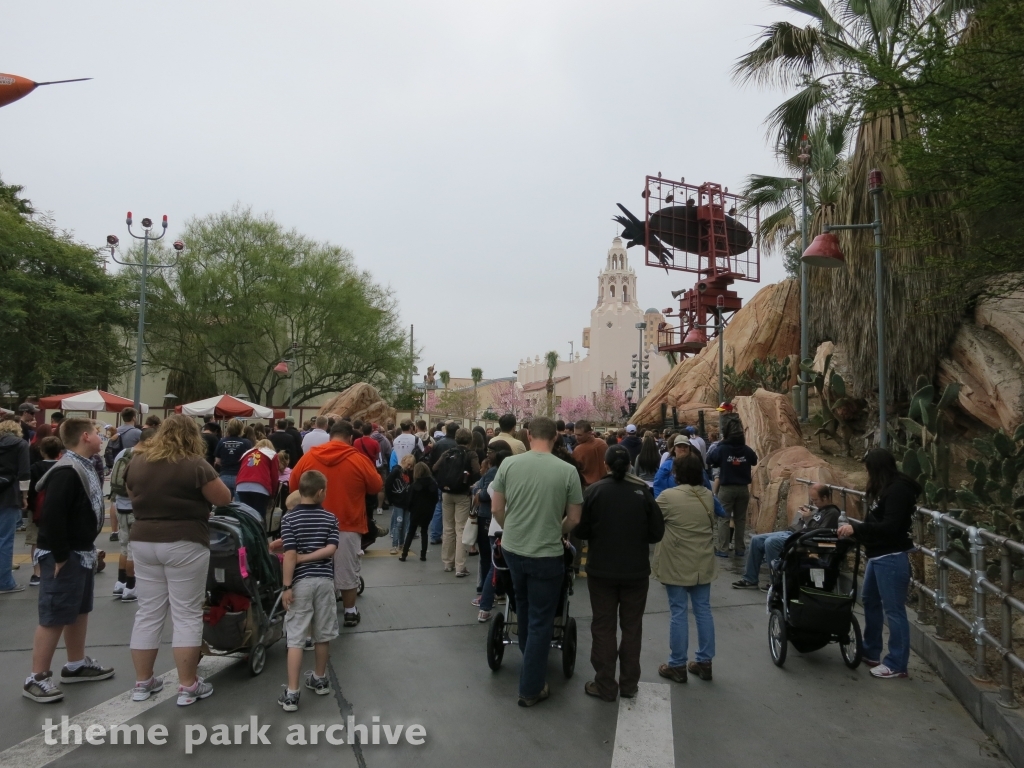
[719, 327]
[145, 266]
[805, 350]
[825, 252]
[639, 375]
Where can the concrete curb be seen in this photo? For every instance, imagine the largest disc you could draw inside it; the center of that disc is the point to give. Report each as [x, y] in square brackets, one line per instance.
[981, 700]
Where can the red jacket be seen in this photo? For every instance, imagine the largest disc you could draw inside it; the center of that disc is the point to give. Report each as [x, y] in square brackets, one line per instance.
[256, 467]
[369, 447]
[350, 479]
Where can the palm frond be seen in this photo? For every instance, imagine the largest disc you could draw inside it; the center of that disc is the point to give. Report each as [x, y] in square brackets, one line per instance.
[788, 121]
[785, 55]
[818, 11]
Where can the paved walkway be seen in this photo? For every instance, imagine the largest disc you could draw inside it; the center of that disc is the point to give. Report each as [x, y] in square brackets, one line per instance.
[419, 657]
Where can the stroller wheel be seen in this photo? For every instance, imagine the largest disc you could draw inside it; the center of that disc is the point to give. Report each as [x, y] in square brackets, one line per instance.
[777, 637]
[496, 642]
[362, 586]
[569, 648]
[853, 648]
[257, 659]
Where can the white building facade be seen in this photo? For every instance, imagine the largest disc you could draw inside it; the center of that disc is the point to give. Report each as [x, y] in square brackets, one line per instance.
[610, 341]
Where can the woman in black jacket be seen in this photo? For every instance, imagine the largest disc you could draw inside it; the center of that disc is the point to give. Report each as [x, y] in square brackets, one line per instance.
[891, 498]
[422, 500]
[620, 521]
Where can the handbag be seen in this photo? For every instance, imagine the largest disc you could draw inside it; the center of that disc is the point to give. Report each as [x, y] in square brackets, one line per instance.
[469, 533]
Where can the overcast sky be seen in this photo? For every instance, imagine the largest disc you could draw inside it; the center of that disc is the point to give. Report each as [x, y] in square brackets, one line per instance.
[470, 154]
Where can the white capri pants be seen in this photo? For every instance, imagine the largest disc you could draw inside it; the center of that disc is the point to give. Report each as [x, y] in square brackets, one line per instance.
[170, 577]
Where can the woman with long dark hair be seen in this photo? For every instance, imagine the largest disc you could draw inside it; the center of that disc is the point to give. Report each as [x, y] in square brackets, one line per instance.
[620, 521]
[891, 498]
[648, 460]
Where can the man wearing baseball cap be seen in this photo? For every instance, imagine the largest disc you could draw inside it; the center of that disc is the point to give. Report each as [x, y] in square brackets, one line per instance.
[632, 442]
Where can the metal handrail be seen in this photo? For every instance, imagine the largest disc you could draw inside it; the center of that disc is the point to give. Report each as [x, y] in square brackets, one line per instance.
[979, 539]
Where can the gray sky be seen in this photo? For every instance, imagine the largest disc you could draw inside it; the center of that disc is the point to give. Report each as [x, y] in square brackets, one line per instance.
[470, 154]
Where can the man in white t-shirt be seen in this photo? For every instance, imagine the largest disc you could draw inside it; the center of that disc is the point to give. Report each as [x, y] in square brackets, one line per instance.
[316, 436]
[406, 443]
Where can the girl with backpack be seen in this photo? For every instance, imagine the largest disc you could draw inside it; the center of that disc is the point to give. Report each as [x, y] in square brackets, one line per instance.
[397, 490]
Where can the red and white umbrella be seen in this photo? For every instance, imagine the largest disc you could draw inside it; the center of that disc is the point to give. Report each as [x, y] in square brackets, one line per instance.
[226, 407]
[93, 400]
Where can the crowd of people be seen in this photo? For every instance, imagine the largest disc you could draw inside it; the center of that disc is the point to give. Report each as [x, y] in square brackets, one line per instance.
[540, 494]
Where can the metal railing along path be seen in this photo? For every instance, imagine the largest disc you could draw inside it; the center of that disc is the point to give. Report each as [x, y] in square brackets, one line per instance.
[978, 539]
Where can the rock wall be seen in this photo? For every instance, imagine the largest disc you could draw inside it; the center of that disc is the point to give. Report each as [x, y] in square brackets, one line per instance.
[360, 401]
[769, 324]
[776, 497]
[770, 422]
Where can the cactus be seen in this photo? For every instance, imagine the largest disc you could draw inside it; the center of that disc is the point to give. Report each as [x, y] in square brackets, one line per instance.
[772, 374]
[994, 487]
[919, 441]
[834, 403]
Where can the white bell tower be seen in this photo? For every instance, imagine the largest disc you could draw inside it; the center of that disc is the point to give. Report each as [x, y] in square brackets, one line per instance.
[616, 284]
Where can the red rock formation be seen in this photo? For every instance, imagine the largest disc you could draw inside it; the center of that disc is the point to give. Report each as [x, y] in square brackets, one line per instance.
[360, 401]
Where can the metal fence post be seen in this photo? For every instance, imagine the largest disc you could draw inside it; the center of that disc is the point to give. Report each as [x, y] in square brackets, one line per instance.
[1006, 698]
[977, 574]
[941, 578]
[925, 607]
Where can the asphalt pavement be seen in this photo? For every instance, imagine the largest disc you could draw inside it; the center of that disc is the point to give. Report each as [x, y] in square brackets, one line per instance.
[418, 658]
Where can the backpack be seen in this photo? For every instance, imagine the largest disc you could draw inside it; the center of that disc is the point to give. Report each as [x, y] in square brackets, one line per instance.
[117, 474]
[452, 475]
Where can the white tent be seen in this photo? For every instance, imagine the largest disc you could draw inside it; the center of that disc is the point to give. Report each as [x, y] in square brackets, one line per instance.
[226, 407]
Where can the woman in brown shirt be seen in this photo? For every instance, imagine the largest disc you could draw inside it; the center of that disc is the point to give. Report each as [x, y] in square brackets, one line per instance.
[172, 488]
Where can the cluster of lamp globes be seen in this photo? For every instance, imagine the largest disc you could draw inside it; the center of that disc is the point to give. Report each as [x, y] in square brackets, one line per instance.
[147, 226]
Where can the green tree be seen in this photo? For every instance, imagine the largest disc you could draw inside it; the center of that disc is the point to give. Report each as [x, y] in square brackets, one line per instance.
[445, 378]
[63, 316]
[834, 63]
[551, 360]
[245, 289]
[477, 375]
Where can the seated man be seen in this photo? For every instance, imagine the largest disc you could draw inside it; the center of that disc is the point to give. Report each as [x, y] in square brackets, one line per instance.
[821, 513]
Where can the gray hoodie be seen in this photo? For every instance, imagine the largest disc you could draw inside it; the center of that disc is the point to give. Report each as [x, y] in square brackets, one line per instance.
[14, 463]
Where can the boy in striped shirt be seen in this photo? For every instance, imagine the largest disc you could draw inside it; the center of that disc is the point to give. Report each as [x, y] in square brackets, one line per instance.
[309, 538]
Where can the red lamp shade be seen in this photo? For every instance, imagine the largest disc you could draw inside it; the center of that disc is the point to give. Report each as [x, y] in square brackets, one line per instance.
[695, 340]
[281, 367]
[824, 252]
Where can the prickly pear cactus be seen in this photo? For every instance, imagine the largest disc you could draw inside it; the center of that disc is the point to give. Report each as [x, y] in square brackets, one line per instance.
[993, 499]
[833, 402]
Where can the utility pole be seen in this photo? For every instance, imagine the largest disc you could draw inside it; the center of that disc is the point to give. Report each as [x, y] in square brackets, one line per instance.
[805, 346]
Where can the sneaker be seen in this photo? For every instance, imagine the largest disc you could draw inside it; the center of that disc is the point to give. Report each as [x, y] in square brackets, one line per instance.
[675, 674]
[90, 672]
[309, 646]
[744, 584]
[882, 672]
[436, 543]
[423, 558]
[41, 688]
[483, 616]
[473, 552]
[720, 553]
[740, 553]
[143, 690]
[500, 600]
[591, 690]
[461, 574]
[289, 701]
[351, 619]
[200, 690]
[119, 587]
[402, 558]
[12, 590]
[115, 536]
[394, 550]
[475, 602]
[33, 580]
[129, 595]
[449, 568]
[321, 686]
[534, 700]
[869, 663]
[701, 669]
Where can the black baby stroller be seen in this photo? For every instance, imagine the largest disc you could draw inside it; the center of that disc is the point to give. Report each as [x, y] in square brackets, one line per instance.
[806, 604]
[243, 612]
[504, 625]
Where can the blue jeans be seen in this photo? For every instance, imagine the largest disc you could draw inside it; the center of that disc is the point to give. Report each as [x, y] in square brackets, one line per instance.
[487, 589]
[763, 546]
[483, 523]
[437, 523]
[679, 628]
[537, 582]
[9, 519]
[399, 526]
[886, 580]
[229, 481]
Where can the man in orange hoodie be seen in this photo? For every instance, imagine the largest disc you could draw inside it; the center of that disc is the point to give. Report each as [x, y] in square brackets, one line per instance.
[351, 477]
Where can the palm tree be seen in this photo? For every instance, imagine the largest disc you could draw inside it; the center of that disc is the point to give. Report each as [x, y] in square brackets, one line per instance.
[778, 197]
[445, 378]
[551, 360]
[477, 374]
[837, 62]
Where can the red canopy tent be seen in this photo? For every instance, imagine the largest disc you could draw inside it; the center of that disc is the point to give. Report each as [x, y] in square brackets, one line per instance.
[228, 407]
[90, 400]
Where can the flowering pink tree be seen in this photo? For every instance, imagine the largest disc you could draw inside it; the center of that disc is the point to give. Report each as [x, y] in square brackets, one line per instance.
[610, 405]
[576, 408]
[508, 398]
[430, 402]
